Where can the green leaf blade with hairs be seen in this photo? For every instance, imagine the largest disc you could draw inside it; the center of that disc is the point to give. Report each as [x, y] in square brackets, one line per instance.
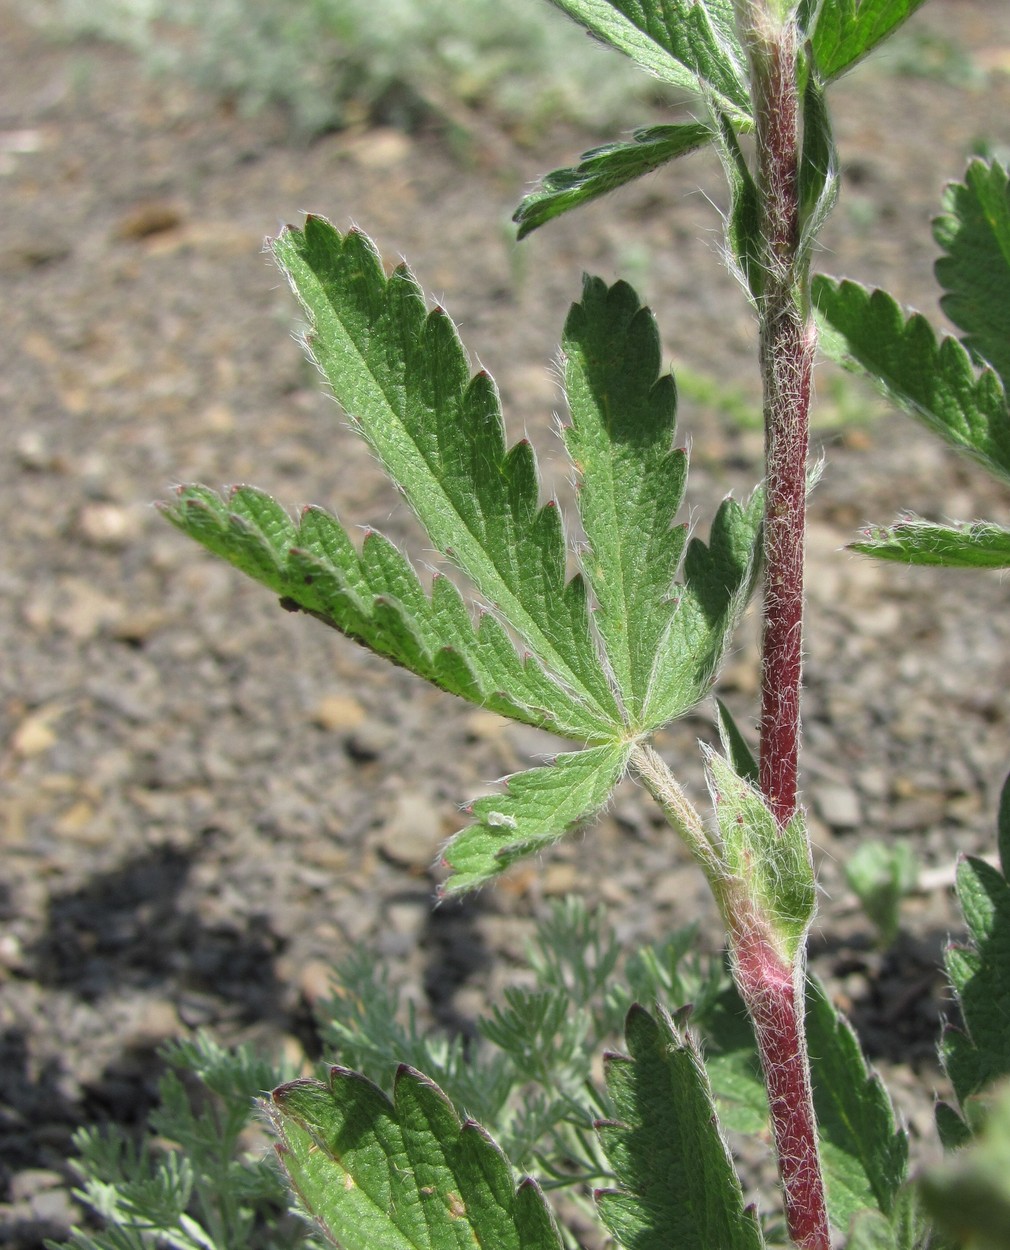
[376, 598]
[974, 232]
[930, 378]
[691, 45]
[631, 479]
[538, 807]
[605, 169]
[847, 30]
[403, 378]
[718, 579]
[404, 1174]
[678, 1184]
[774, 861]
[865, 1154]
[979, 973]
[962, 545]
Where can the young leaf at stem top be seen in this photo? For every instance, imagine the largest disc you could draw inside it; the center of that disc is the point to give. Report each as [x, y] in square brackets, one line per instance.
[686, 42]
[845, 31]
[605, 169]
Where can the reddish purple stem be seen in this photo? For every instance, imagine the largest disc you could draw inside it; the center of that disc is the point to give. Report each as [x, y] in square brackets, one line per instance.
[771, 985]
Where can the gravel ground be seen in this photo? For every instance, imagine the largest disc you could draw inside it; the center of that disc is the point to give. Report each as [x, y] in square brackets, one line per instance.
[206, 802]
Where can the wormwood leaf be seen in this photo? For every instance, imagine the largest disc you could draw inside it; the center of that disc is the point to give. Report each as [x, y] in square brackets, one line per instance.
[961, 545]
[630, 477]
[404, 380]
[974, 231]
[376, 598]
[847, 30]
[979, 973]
[693, 45]
[774, 861]
[932, 379]
[865, 1155]
[605, 169]
[678, 1184]
[717, 583]
[537, 808]
[402, 1175]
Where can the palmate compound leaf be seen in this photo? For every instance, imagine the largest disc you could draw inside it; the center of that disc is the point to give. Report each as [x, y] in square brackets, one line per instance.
[978, 1054]
[690, 43]
[974, 232]
[930, 378]
[375, 598]
[404, 1174]
[678, 1184]
[845, 31]
[605, 169]
[959, 545]
[403, 378]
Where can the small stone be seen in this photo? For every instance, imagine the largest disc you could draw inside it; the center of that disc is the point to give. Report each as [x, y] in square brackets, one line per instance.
[315, 981]
[838, 806]
[370, 741]
[411, 833]
[106, 525]
[154, 217]
[30, 1182]
[37, 733]
[336, 712]
[159, 1020]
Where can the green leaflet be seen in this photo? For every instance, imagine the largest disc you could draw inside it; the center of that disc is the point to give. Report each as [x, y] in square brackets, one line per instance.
[865, 1154]
[960, 545]
[980, 974]
[402, 1175]
[717, 583]
[375, 598]
[693, 45]
[932, 379]
[605, 169]
[845, 31]
[905, 1229]
[969, 1195]
[773, 861]
[818, 179]
[537, 808]
[678, 1185]
[404, 380]
[743, 230]
[630, 477]
[974, 231]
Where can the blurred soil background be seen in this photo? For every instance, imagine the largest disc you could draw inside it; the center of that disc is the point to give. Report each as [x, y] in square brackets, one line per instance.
[206, 803]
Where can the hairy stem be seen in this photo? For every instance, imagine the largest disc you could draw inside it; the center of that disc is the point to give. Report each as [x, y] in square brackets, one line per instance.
[787, 348]
[772, 987]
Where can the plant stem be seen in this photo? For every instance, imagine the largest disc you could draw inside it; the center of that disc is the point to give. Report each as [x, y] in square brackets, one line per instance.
[771, 984]
[772, 989]
[787, 350]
